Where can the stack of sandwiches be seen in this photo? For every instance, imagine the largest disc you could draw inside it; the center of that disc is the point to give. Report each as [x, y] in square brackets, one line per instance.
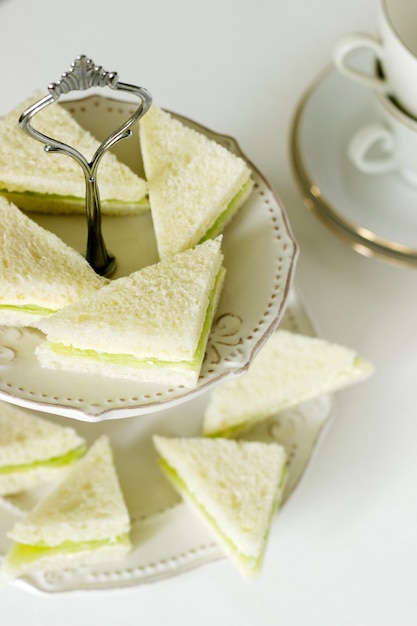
[151, 326]
[124, 328]
[83, 520]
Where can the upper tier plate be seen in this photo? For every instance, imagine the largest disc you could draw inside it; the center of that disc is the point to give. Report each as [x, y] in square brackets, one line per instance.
[260, 256]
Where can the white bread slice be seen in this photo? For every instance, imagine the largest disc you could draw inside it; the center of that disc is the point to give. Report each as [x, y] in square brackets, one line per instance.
[290, 369]
[83, 520]
[39, 273]
[235, 487]
[151, 326]
[195, 184]
[34, 180]
[33, 450]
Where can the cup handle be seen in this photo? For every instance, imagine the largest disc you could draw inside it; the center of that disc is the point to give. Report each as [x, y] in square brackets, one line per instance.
[369, 137]
[351, 43]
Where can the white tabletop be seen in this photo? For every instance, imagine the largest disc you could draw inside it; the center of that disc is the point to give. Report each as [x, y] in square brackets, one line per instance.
[343, 549]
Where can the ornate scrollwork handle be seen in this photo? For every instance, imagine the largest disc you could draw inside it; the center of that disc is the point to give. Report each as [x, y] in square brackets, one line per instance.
[84, 74]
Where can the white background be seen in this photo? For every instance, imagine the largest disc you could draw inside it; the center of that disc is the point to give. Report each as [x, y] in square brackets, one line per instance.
[343, 550]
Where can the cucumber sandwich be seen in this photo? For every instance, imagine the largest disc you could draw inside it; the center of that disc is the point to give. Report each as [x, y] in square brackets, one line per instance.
[39, 273]
[195, 185]
[150, 326]
[83, 520]
[33, 450]
[55, 183]
[234, 487]
[289, 369]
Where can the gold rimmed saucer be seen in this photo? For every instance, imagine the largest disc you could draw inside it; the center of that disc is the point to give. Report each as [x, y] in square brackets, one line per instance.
[375, 215]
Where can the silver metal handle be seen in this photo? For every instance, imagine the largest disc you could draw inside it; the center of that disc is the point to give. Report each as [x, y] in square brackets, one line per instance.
[84, 74]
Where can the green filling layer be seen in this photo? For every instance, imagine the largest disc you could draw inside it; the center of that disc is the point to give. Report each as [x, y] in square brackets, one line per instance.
[53, 197]
[223, 218]
[251, 564]
[57, 461]
[21, 554]
[32, 309]
[132, 361]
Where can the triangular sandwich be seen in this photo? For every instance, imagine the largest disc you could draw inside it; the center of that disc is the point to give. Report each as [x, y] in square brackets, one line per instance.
[39, 273]
[151, 326]
[290, 369]
[33, 450]
[83, 520]
[195, 184]
[54, 183]
[234, 486]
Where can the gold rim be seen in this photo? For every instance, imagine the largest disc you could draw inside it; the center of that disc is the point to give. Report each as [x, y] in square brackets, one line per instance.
[362, 240]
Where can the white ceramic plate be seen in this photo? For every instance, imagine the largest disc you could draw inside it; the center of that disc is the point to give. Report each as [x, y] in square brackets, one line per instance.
[260, 256]
[167, 538]
[375, 214]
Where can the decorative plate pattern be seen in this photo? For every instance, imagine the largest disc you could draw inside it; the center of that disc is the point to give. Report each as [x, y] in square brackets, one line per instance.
[167, 538]
[260, 257]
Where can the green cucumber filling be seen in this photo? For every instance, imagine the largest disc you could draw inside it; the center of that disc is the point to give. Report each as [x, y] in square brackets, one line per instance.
[232, 430]
[57, 461]
[251, 563]
[32, 309]
[218, 225]
[47, 197]
[22, 554]
[133, 361]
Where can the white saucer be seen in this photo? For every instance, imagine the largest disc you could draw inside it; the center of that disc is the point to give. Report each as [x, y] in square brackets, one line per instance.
[375, 214]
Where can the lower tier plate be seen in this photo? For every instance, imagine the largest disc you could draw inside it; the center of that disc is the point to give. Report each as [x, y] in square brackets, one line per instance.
[167, 538]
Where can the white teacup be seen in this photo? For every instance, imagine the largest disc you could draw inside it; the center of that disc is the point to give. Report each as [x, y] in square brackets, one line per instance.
[395, 48]
[387, 145]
